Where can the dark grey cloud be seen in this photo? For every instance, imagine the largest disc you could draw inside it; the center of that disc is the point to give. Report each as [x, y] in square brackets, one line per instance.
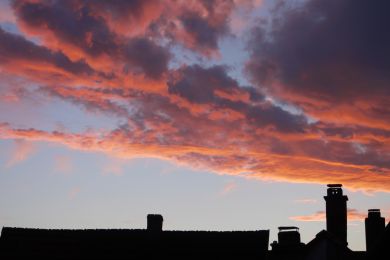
[206, 36]
[145, 54]
[326, 49]
[119, 9]
[71, 22]
[198, 85]
[15, 47]
[78, 23]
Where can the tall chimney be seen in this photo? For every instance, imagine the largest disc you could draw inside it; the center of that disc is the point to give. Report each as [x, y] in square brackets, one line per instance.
[155, 222]
[336, 212]
[375, 226]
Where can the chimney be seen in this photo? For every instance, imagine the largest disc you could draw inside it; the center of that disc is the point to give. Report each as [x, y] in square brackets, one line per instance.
[336, 212]
[288, 239]
[155, 222]
[375, 226]
[289, 236]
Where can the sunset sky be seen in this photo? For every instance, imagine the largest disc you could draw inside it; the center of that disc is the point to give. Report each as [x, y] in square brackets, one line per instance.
[219, 115]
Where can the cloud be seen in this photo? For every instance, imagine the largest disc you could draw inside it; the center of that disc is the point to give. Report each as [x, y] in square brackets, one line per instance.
[114, 167]
[196, 25]
[153, 59]
[74, 192]
[220, 153]
[306, 201]
[63, 164]
[6, 14]
[69, 22]
[21, 151]
[228, 188]
[74, 27]
[328, 57]
[320, 216]
[214, 87]
[202, 34]
[15, 48]
[114, 58]
[102, 27]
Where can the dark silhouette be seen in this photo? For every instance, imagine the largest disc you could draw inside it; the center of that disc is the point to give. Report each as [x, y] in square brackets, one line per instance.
[288, 246]
[375, 226]
[328, 246]
[380, 249]
[155, 223]
[20, 243]
[336, 212]
[154, 242]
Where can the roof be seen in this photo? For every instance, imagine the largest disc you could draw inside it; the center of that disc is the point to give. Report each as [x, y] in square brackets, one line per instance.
[114, 243]
[325, 235]
[327, 246]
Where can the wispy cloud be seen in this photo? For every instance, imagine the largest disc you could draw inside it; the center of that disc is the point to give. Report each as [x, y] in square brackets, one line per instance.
[114, 166]
[72, 194]
[306, 201]
[320, 216]
[63, 164]
[228, 188]
[20, 152]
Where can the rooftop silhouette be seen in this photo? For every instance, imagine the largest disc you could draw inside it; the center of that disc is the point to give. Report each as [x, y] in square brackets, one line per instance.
[154, 241]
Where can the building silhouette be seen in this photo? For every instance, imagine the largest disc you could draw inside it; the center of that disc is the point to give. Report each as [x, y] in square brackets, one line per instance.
[150, 243]
[155, 242]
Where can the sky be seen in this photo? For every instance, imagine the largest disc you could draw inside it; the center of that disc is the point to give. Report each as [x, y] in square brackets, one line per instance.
[219, 115]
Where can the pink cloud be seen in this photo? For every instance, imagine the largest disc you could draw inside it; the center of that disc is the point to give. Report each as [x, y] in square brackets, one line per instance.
[195, 115]
[20, 152]
[306, 201]
[6, 12]
[114, 167]
[73, 193]
[63, 164]
[320, 216]
[228, 188]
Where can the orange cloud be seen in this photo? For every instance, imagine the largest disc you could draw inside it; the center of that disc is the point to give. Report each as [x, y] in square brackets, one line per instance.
[231, 159]
[194, 115]
[352, 215]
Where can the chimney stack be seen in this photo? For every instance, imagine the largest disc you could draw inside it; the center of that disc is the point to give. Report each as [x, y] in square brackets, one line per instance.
[336, 212]
[155, 222]
[289, 241]
[289, 236]
[375, 226]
